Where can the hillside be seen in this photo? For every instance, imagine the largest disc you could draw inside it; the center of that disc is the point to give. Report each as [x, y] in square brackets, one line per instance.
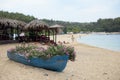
[102, 25]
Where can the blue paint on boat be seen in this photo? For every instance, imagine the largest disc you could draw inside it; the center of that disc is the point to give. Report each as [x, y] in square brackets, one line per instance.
[55, 63]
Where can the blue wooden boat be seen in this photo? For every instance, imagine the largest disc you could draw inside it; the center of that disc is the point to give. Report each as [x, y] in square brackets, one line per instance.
[55, 63]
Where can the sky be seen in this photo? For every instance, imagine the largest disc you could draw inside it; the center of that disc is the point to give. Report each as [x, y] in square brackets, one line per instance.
[64, 10]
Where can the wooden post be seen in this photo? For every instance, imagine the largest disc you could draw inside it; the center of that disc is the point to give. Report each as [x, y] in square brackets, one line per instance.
[45, 32]
[55, 35]
[11, 33]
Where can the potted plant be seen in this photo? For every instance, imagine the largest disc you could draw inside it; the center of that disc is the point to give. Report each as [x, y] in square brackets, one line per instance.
[52, 58]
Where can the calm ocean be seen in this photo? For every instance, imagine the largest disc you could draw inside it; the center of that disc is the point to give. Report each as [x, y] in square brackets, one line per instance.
[111, 42]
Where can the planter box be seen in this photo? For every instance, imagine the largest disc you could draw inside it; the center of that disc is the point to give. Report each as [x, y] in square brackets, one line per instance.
[55, 63]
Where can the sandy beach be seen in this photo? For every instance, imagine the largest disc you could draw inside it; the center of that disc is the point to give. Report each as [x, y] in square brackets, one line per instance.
[91, 63]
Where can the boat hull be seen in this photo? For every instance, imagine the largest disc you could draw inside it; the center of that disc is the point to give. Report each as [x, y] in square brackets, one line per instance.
[55, 63]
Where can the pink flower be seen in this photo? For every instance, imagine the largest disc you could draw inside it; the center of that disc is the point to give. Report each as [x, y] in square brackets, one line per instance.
[67, 53]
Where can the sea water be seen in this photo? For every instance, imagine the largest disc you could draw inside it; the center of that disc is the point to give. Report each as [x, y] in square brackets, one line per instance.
[111, 42]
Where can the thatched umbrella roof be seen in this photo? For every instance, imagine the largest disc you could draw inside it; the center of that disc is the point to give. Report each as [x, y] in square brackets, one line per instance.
[11, 23]
[36, 25]
[56, 27]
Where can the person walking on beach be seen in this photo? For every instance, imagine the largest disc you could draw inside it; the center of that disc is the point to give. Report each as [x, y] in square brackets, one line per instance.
[79, 36]
[72, 38]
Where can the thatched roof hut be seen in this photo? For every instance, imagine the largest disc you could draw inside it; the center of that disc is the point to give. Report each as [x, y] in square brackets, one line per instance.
[36, 25]
[57, 28]
[9, 27]
[11, 23]
[36, 29]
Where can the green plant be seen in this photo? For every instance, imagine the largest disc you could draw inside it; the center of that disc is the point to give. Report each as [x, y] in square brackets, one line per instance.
[32, 51]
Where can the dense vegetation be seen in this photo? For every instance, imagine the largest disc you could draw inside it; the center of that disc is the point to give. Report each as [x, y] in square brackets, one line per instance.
[16, 16]
[102, 25]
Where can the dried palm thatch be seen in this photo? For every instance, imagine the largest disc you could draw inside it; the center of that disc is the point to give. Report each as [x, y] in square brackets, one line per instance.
[57, 28]
[36, 25]
[11, 23]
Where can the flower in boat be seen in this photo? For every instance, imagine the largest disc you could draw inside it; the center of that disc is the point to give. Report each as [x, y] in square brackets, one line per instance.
[33, 51]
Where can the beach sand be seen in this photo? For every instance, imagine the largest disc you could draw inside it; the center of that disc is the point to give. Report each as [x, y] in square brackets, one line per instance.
[91, 63]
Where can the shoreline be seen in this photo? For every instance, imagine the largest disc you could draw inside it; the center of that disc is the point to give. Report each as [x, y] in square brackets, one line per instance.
[76, 36]
[98, 46]
[107, 33]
